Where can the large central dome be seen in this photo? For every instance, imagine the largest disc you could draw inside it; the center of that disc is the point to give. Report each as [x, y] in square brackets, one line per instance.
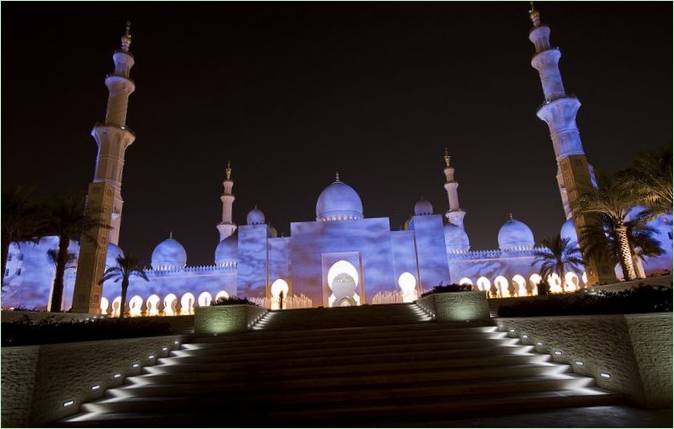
[339, 201]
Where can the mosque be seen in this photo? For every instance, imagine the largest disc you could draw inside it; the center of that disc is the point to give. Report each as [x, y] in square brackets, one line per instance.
[340, 258]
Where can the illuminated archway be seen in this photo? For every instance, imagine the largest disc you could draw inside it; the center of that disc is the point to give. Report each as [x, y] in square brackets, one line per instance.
[555, 283]
[115, 306]
[572, 281]
[466, 281]
[187, 304]
[521, 283]
[584, 278]
[104, 306]
[534, 280]
[135, 306]
[408, 287]
[170, 304]
[205, 299]
[343, 281]
[152, 305]
[277, 287]
[483, 284]
[502, 284]
[221, 294]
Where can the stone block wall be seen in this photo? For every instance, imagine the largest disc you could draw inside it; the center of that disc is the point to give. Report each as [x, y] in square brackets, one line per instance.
[37, 381]
[456, 306]
[633, 352]
[223, 319]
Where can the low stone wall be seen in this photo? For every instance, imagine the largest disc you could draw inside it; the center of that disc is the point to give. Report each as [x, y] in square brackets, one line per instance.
[225, 319]
[456, 306]
[630, 354]
[9, 316]
[39, 381]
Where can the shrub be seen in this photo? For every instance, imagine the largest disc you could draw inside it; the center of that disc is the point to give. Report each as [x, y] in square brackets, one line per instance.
[448, 288]
[47, 331]
[642, 299]
[232, 300]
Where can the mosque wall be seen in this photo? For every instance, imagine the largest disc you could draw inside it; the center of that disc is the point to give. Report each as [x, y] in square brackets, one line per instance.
[404, 256]
[370, 238]
[431, 250]
[252, 260]
[279, 267]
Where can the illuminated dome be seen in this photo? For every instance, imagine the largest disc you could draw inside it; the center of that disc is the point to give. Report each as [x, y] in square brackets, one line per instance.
[169, 255]
[226, 251]
[569, 231]
[456, 238]
[423, 208]
[339, 201]
[255, 217]
[515, 235]
[113, 252]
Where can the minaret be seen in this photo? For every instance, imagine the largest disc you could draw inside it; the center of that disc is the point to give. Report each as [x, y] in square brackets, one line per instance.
[227, 227]
[104, 200]
[574, 174]
[454, 214]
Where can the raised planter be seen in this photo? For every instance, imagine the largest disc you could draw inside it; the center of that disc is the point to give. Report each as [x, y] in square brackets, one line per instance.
[225, 319]
[456, 306]
[629, 354]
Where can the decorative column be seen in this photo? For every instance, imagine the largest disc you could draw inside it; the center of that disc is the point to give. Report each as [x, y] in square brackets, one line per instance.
[454, 214]
[226, 227]
[104, 200]
[559, 110]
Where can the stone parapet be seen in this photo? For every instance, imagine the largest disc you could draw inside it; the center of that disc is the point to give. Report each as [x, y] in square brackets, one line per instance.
[225, 319]
[45, 383]
[630, 354]
[456, 306]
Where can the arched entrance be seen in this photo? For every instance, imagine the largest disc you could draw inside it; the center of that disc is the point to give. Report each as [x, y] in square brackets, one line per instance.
[343, 283]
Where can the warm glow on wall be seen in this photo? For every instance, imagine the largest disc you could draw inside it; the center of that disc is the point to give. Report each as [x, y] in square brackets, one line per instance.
[408, 287]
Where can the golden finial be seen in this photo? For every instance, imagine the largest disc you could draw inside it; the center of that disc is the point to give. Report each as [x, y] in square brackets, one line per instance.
[336, 176]
[534, 15]
[171, 235]
[510, 215]
[447, 158]
[228, 170]
[126, 38]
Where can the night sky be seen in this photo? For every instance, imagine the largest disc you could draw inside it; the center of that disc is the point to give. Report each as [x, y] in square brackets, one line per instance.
[291, 93]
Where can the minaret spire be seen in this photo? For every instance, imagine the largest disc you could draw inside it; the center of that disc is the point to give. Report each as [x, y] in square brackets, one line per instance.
[574, 174]
[104, 198]
[336, 176]
[454, 215]
[226, 227]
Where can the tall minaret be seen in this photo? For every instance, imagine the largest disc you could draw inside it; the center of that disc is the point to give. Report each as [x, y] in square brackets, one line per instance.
[454, 214]
[227, 227]
[104, 200]
[574, 174]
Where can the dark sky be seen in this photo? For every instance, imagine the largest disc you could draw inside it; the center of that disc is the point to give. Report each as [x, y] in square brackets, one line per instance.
[290, 93]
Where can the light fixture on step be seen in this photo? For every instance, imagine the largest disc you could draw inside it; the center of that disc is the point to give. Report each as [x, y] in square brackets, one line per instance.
[605, 375]
[68, 403]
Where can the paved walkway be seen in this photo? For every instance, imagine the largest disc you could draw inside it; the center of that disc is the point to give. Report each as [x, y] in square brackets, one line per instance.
[603, 416]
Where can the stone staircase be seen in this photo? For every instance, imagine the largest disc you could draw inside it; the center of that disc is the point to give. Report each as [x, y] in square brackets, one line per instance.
[381, 365]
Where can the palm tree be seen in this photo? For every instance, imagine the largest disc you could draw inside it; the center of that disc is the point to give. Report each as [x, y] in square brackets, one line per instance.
[126, 268]
[67, 219]
[610, 202]
[602, 240]
[20, 220]
[560, 255]
[651, 178]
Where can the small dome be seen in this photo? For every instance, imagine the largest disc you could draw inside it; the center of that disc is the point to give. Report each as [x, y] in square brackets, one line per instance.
[423, 208]
[569, 231]
[255, 217]
[111, 257]
[515, 235]
[456, 238]
[339, 201]
[227, 250]
[169, 255]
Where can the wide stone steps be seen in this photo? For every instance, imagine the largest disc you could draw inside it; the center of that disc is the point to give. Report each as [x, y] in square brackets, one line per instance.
[344, 374]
